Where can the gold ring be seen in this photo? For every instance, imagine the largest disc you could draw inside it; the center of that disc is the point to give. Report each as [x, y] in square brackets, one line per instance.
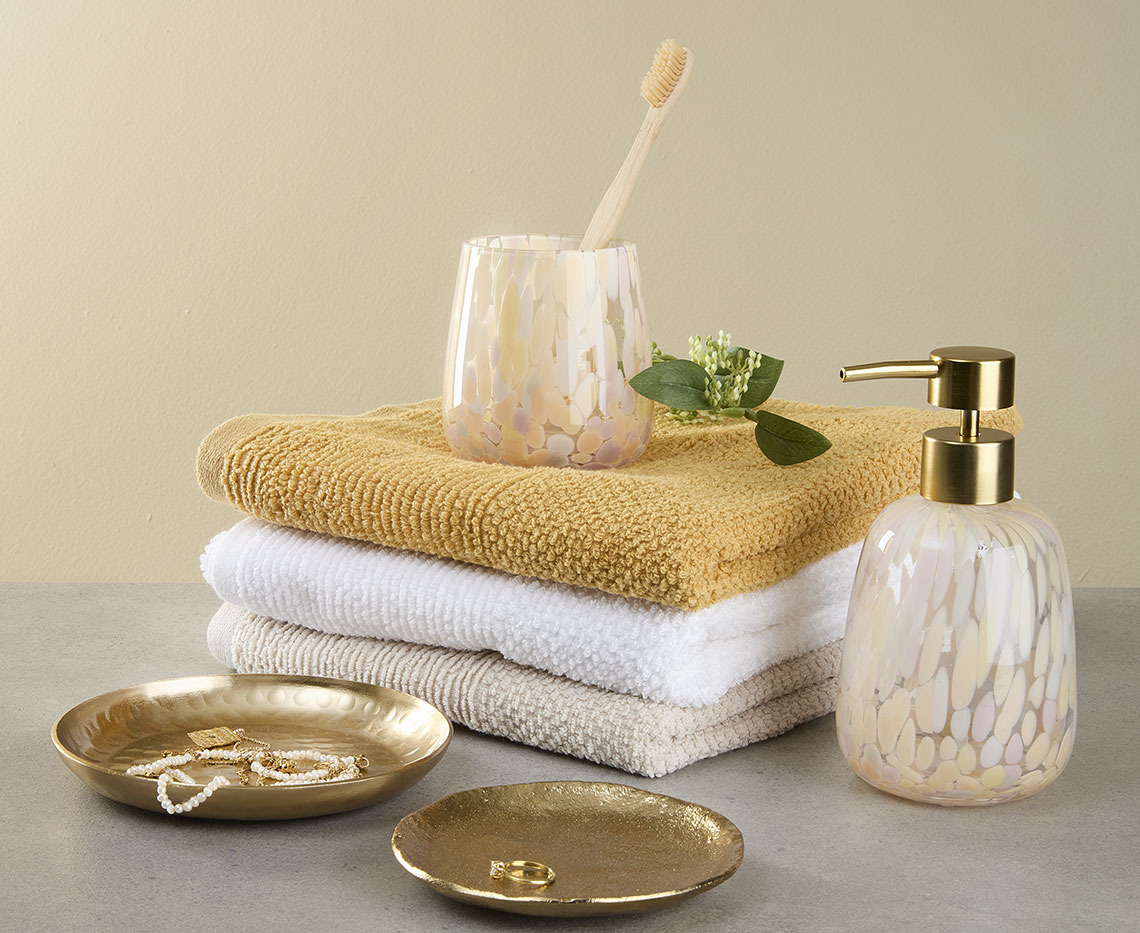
[523, 872]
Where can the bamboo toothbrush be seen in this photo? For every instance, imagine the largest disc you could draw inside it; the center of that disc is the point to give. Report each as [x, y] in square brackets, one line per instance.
[662, 87]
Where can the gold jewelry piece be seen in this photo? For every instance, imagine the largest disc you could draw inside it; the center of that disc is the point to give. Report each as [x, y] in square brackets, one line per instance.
[218, 737]
[522, 871]
[222, 745]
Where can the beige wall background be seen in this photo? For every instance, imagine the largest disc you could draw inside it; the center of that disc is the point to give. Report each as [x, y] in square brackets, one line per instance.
[212, 208]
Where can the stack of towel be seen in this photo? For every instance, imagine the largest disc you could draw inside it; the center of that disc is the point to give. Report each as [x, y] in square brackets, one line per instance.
[644, 618]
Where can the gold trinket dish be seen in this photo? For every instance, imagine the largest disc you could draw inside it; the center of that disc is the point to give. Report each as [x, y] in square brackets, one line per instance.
[567, 848]
[401, 737]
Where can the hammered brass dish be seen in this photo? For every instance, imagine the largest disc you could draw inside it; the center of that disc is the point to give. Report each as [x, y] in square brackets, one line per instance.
[610, 848]
[403, 738]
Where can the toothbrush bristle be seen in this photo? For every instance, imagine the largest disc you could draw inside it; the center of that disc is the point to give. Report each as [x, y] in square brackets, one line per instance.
[663, 75]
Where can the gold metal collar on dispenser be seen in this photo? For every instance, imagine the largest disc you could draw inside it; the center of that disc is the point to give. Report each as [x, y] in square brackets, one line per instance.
[970, 464]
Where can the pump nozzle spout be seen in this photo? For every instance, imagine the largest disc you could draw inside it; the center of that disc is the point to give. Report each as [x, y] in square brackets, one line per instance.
[967, 464]
[906, 369]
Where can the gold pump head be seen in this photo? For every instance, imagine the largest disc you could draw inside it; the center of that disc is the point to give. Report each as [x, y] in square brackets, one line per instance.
[969, 465]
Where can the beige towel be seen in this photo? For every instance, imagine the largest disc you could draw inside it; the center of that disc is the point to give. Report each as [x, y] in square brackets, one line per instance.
[701, 516]
[484, 692]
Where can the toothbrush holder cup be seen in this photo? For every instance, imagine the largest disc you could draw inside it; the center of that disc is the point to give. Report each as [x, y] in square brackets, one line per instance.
[544, 340]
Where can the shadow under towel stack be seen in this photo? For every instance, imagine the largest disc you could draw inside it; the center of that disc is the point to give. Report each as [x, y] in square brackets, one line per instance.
[646, 617]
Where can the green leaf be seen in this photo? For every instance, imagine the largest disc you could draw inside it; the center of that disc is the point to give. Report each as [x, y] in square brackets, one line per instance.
[762, 382]
[676, 383]
[784, 441]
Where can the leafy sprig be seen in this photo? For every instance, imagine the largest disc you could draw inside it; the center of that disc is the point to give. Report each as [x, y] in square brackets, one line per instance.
[721, 380]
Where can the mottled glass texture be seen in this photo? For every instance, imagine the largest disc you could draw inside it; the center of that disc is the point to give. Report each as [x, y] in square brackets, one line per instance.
[544, 340]
[958, 679]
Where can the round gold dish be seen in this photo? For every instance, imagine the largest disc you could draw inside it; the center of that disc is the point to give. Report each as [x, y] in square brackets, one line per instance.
[608, 848]
[401, 736]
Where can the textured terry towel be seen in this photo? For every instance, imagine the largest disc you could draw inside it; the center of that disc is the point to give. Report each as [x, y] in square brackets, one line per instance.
[485, 692]
[690, 658]
[701, 516]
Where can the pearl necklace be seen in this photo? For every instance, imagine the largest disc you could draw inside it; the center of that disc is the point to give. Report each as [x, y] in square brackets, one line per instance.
[262, 762]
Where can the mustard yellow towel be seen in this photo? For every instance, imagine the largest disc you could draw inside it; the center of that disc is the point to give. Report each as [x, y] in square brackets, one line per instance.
[701, 516]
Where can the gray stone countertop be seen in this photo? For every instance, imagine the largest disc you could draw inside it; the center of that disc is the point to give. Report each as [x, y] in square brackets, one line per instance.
[823, 851]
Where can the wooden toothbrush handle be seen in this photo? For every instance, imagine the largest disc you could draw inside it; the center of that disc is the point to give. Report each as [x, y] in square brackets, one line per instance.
[606, 218]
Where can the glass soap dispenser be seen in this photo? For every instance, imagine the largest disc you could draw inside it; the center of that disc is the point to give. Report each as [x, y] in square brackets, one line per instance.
[958, 679]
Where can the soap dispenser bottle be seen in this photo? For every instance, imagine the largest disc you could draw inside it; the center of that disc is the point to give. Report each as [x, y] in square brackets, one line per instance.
[958, 679]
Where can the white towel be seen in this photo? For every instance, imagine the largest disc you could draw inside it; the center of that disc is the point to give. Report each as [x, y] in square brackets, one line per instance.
[677, 656]
[482, 691]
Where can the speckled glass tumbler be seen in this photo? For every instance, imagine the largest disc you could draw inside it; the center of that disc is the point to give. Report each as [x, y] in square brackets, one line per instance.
[958, 682]
[544, 340]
